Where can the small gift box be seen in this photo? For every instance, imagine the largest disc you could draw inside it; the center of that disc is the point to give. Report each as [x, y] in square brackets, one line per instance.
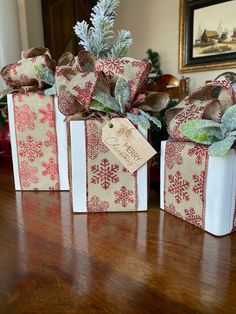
[199, 188]
[198, 182]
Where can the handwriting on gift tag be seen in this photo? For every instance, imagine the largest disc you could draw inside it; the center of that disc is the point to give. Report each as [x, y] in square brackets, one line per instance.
[126, 143]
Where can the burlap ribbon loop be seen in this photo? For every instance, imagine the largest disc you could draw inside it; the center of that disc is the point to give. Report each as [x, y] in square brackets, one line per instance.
[77, 79]
[207, 102]
[22, 74]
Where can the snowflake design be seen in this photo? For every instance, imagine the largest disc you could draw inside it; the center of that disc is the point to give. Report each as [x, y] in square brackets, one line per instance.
[178, 187]
[200, 151]
[112, 66]
[19, 97]
[30, 148]
[94, 141]
[27, 174]
[96, 205]
[51, 169]
[15, 66]
[127, 171]
[84, 94]
[48, 115]
[25, 118]
[105, 174]
[124, 197]
[55, 188]
[173, 154]
[52, 141]
[27, 81]
[192, 217]
[132, 87]
[199, 187]
[171, 209]
[191, 112]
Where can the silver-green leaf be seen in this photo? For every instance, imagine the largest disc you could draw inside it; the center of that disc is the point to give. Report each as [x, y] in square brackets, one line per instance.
[154, 120]
[106, 100]
[140, 120]
[229, 118]
[122, 93]
[221, 148]
[45, 74]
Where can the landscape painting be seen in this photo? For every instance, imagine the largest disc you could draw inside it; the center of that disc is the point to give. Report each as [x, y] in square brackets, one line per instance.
[214, 29]
[207, 35]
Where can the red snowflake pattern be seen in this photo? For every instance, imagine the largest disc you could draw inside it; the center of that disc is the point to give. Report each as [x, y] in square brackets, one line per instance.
[173, 154]
[27, 174]
[200, 151]
[199, 186]
[25, 118]
[127, 171]
[52, 141]
[132, 87]
[84, 94]
[191, 112]
[96, 205]
[15, 66]
[192, 217]
[172, 210]
[105, 174]
[51, 169]
[56, 187]
[112, 66]
[94, 141]
[124, 197]
[178, 187]
[48, 115]
[30, 148]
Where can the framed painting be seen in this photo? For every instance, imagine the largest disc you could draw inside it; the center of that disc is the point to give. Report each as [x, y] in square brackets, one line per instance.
[207, 35]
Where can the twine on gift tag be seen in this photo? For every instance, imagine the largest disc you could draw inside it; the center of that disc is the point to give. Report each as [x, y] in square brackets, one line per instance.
[126, 143]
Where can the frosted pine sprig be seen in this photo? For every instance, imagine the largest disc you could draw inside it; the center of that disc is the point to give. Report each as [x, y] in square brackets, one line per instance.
[121, 44]
[82, 31]
[99, 38]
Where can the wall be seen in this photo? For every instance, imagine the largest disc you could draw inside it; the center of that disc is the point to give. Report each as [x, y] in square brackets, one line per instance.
[10, 43]
[31, 25]
[155, 24]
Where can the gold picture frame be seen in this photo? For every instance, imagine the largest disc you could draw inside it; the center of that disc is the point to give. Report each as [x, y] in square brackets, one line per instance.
[213, 48]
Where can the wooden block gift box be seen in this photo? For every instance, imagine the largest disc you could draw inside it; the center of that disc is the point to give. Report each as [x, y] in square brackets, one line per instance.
[198, 184]
[37, 130]
[38, 142]
[99, 181]
[200, 189]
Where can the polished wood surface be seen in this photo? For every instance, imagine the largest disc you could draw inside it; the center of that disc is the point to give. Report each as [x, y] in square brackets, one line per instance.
[55, 262]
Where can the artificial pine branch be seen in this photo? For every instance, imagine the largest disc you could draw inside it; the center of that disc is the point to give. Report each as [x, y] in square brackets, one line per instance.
[99, 39]
[121, 44]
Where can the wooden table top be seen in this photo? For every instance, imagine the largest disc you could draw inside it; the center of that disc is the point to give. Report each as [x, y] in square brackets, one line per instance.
[55, 262]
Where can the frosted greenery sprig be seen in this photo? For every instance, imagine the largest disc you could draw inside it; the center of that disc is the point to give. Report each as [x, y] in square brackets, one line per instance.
[105, 103]
[99, 39]
[220, 136]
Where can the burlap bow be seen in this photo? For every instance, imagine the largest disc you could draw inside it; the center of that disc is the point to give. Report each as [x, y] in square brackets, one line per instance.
[21, 75]
[78, 78]
[207, 102]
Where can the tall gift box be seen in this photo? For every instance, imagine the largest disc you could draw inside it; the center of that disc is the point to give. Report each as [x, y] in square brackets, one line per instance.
[37, 129]
[196, 186]
[38, 142]
[99, 181]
